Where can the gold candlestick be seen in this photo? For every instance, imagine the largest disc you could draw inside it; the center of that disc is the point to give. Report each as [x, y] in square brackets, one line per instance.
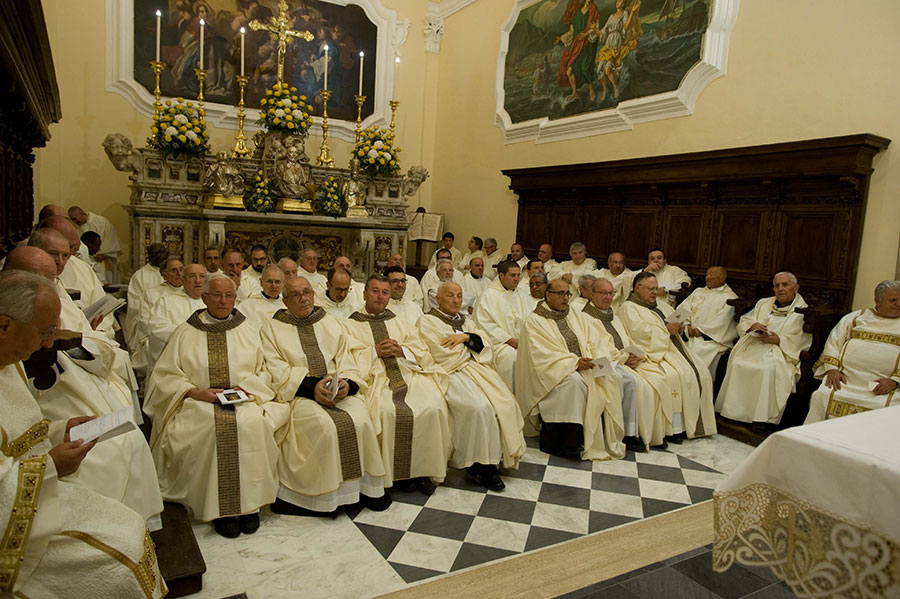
[325, 158]
[157, 67]
[240, 143]
[394, 104]
[201, 77]
[359, 104]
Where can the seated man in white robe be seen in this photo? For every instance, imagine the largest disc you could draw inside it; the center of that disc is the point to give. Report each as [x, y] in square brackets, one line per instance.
[571, 270]
[619, 275]
[445, 272]
[259, 259]
[492, 258]
[262, 306]
[98, 263]
[356, 288]
[585, 292]
[474, 282]
[545, 255]
[173, 273]
[219, 461]
[500, 313]
[413, 288]
[309, 270]
[212, 259]
[486, 424]
[447, 242]
[404, 392]
[233, 266]
[681, 381]
[532, 268]
[669, 277]
[859, 365]
[430, 278]
[711, 331]
[575, 412]
[401, 304]
[143, 279]
[475, 250]
[641, 410]
[62, 539]
[111, 248]
[337, 299]
[329, 451]
[537, 288]
[288, 267]
[764, 365]
[517, 255]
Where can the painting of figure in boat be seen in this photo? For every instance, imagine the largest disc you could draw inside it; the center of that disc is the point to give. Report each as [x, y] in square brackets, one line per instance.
[569, 57]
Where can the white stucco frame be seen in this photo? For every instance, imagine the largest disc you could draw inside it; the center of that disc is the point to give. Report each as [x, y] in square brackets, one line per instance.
[680, 102]
[391, 35]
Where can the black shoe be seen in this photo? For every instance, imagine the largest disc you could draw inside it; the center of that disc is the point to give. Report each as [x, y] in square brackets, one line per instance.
[289, 509]
[408, 485]
[249, 523]
[634, 444]
[661, 446]
[377, 504]
[491, 478]
[758, 427]
[227, 527]
[424, 485]
[676, 439]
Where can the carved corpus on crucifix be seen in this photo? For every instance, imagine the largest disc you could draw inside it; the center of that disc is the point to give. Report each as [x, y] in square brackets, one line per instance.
[280, 29]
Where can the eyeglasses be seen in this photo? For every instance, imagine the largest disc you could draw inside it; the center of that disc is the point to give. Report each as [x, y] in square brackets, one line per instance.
[561, 293]
[217, 296]
[398, 281]
[606, 292]
[304, 293]
[45, 334]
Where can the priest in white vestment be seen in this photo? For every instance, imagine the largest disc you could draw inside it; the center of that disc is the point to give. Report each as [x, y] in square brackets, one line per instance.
[337, 299]
[500, 313]
[517, 255]
[571, 270]
[669, 277]
[537, 287]
[217, 460]
[475, 250]
[401, 304]
[144, 278]
[309, 270]
[474, 282]
[233, 266]
[681, 381]
[545, 255]
[711, 330]
[356, 287]
[62, 539]
[860, 365]
[262, 305]
[585, 292]
[329, 450]
[447, 244]
[404, 392]
[259, 259]
[445, 272]
[532, 268]
[288, 267]
[764, 365]
[110, 248]
[212, 259]
[173, 280]
[485, 421]
[492, 258]
[430, 278]
[413, 288]
[574, 411]
[619, 275]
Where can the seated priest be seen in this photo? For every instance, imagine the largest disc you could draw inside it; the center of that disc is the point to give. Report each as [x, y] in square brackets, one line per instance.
[144, 278]
[500, 313]
[329, 451]
[337, 299]
[413, 289]
[173, 280]
[430, 278]
[492, 258]
[585, 292]
[619, 275]
[309, 270]
[212, 259]
[356, 288]
[537, 288]
[218, 460]
[474, 282]
[233, 266]
[859, 365]
[401, 304]
[575, 412]
[532, 268]
[446, 272]
[99, 265]
[62, 539]
[711, 331]
[545, 255]
[764, 365]
[680, 379]
[475, 250]
[485, 421]
[259, 259]
[641, 409]
[289, 268]
[261, 305]
[404, 392]
[447, 244]
[571, 270]
[110, 249]
[669, 277]
[517, 255]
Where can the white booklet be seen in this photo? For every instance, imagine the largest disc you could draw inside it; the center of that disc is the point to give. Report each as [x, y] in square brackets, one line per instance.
[232, 396]
[635, 351]
[602, 367]
[679, 316]
[103, 307]
[335, 385]
[105, 427]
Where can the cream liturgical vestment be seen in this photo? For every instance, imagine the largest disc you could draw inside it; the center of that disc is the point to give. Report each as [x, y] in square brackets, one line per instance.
[621, 284]
[259, 307]
[109, 239]
[864, 346]
[467, 257]
[329, 456]
[576, 270]
[455, 257]
[80, 276]
[500, 313]
[342, 310]
[249, 285]
[146, 277]
[405, 397]
[680, 380]
[431, 281]
[474, 286]
[761, 376]
[216, 460]
[478, 398]
[670, 278]
[490, 264]
[413, 290]
[316, 280]
[406, 309]
[168, 312]
[715, 319]
[61, 539]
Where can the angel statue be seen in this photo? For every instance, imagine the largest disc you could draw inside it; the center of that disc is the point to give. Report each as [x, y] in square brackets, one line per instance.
[414, 179]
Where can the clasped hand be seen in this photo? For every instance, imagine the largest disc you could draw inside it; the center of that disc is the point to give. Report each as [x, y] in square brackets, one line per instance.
[323, 392]
[451, 341]
[584, 364]
[388, 349]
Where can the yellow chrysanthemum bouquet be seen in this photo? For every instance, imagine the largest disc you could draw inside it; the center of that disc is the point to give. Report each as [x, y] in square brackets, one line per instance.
[179, 130]
[376, 152]
[261, 197]
[281, 109]
[330, 200]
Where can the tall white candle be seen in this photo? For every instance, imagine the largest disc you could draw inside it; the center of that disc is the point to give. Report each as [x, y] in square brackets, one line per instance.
[243, 33]
[158, 17]
[396, 76]
[362, 56]
[326, 67]
[202, 27]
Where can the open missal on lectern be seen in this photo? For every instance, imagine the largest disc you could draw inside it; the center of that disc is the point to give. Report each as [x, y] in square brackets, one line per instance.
[104, 427]
[425, 226]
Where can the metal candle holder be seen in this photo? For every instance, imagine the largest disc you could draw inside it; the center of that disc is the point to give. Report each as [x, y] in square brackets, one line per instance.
[325, 158]
[201, 77]
[157, 67]
[394, 104]
[359, 104]
[240, 143]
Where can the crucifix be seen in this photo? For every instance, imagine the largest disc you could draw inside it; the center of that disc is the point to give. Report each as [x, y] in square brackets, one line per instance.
[280, 29]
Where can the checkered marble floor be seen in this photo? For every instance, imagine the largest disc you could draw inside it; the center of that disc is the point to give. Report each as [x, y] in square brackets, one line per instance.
[548, 500]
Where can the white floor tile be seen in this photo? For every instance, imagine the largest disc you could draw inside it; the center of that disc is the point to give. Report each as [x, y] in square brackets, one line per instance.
[498, 533]
[558, 517]
[399, 516]
[659, 458]
[423, 551]
[617, 503]
[617, 467]
[568, 477]
[697, 478]
[456, 500]
[520, 488]
[655, 489]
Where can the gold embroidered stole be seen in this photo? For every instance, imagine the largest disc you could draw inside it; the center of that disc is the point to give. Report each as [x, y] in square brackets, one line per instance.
[454, 323]
[18, 528]
[605, 317]
[562, 324]
[348, 446]
[403, 425]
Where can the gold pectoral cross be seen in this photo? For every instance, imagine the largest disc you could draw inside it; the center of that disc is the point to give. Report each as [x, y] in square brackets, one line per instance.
[280, 29]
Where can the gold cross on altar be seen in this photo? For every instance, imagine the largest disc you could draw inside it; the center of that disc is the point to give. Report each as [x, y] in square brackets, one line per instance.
[280, 29]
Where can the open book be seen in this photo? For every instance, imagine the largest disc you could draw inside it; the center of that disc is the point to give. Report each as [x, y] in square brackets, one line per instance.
[425, 226]
[105, 427]
[602, 367]
[679, 316]
[103, 307]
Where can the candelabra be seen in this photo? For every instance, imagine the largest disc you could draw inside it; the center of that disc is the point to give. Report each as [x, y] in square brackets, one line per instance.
[240, 143]
[359, 104]
[201, 77]
[157, 67]
[325, 158]
[394, 104]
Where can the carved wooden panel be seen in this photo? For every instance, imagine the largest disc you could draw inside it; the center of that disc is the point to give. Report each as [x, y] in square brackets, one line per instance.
[600, 223]
[534, 225]
[637, 232]
[565, 225]
[739, 235]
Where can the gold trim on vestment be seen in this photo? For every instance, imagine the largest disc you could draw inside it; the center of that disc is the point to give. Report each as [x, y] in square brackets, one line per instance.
[142, 569]
[21, 519]
[559, 317]
[348, 445]
[24, 442]
[228, 464]
[830, 360]
[837, 408]
[879, 337]
[606, 317]
[454, 323]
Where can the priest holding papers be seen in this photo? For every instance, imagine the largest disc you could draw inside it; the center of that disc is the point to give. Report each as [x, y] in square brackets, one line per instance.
[619, 275]
[669, 277]
[500, 313]
[217, 460]
[860, 365]
[329, 451]
[711, 330]
[404, 391]
[764, 365]
[485, 419]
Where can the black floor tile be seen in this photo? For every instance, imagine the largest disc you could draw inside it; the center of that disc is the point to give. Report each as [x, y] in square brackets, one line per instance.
[669, 584]
[699, 494]
[439, 523]
[652, 507]
[635, 573]
[542, 537]
[609, 592]
[616, 484]
[692, 465]
[471, 554]
[588, 591]
[734, 583]
[686, 555]
[663, 473]
[383, 539]
[630, 456]
[412, 573]
[411, 497]
[774, 591]
[354, 510]
[528, 471]
[567, 496]
[601, 521]
[507, 508]
[574, 463]
[458, 479]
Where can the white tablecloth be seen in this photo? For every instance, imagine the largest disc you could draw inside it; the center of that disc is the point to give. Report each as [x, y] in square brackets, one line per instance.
[820, 505]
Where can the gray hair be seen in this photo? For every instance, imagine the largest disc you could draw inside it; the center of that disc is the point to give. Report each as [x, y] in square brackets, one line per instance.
[274, 267]
[217, 276]
[542, 276]
[18, 293]
[41, 237]
[790, 277]
[585, 279]
[885, 286]
[443, 261]
[577, 246]
[490, 241]
[165, 265]
[313, 250]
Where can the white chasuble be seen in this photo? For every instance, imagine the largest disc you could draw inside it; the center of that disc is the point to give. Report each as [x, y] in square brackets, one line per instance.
[549, 348]
[316, 280]
[670, 278]
[340, 310]
[761, 376]
[146, 277]
[500, 313]
[413, 290]
[259, 308]
[142, 311]
[490, 264]
[715, 318]
[328, 455]
[576, 270]
[680, 380]
[864, 346]
[485, 419]
[80, 276]
[621, 284]
[407, 309]
[61, 539]
[475, 287]
[216, 460]
[171, 310]
[405, 397]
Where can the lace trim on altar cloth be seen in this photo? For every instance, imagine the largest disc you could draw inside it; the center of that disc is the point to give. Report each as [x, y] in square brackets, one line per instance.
[817, 553]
